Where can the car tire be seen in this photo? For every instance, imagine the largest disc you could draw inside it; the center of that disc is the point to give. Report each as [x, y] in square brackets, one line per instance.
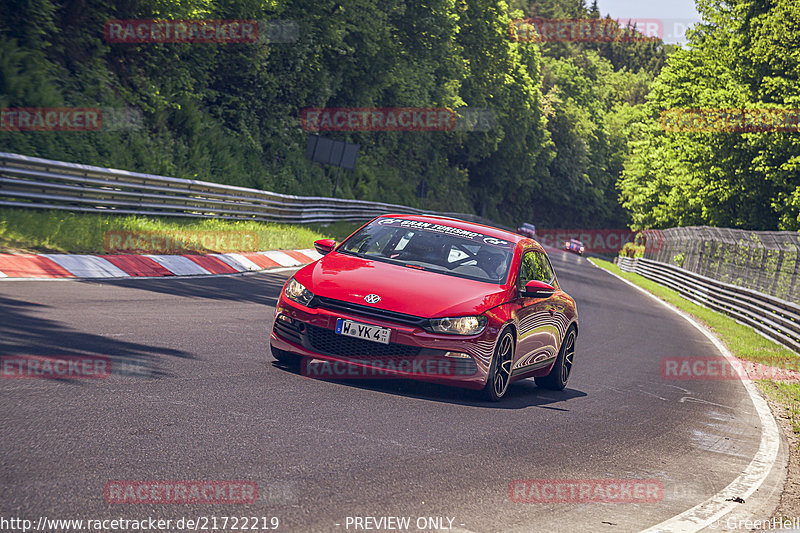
[500, 369]
[562, 368]
[287, 358]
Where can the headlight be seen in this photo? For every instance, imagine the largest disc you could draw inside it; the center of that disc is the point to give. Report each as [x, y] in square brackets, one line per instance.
[297, 293]
[463, 325]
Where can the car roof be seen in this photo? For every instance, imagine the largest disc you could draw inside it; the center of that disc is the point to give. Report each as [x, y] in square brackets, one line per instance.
[489, 231]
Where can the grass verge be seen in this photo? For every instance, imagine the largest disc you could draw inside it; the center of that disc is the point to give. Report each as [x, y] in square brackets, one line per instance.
[31, 230]
[741, 340]
[788, 395]
[337, 230]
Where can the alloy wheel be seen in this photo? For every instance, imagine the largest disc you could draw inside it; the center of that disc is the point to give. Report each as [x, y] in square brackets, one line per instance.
[502, 374]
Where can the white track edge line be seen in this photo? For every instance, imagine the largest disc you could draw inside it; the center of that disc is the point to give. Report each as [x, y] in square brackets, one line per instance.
[753, 476]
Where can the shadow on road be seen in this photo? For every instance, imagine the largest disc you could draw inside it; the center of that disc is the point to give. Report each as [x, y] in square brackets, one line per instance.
[25, 334]
[260, 288]
[521, 394]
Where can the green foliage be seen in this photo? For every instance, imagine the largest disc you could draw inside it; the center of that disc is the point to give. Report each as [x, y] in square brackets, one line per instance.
[337, 231]
[632, 250]
[230, 113]
[743, 55]
[592, 106]
[26, 78]
[593, 93]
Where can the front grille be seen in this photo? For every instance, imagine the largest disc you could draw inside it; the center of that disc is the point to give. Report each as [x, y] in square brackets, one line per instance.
[366, 311]
[327, 341]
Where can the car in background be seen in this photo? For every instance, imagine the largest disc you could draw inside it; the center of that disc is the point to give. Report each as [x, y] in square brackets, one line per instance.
[482, 304]
[575, 246]
[528, 230]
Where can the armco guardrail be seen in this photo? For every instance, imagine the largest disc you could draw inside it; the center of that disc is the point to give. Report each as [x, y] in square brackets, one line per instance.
[46, 184]
[765, 261]
[775, 318]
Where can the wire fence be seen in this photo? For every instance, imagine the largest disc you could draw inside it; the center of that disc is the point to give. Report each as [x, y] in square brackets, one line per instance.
[773, 317]
[765, 261]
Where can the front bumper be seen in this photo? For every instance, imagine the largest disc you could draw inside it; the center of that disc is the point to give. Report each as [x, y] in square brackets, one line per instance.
[412, 352]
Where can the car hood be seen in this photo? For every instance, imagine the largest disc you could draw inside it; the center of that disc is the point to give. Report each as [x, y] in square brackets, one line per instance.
[401, 289]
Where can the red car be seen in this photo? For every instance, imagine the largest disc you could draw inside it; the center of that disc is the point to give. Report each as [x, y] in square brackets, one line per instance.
[575, 246]
[433, 299]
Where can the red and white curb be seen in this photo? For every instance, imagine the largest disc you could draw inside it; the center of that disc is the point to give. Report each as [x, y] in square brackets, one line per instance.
[15, 266]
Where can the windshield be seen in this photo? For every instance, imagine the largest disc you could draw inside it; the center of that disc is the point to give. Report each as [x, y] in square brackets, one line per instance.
[433, 246]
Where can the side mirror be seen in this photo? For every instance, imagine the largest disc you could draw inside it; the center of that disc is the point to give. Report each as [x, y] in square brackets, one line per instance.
[538, 289]
[324, 246]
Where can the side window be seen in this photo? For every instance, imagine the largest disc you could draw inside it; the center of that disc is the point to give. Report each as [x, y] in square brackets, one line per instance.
[546, 270]
[535, 266]
[526, 269]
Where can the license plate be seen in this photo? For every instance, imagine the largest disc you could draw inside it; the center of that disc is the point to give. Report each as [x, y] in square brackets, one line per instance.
[362, 331]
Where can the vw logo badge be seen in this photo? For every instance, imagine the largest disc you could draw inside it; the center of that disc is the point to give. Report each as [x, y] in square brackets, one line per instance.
[372, 298]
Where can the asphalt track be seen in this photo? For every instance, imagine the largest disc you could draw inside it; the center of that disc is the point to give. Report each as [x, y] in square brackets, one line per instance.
[204, 400]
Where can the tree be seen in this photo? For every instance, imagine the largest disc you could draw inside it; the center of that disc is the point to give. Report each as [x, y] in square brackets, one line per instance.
[743, 55]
